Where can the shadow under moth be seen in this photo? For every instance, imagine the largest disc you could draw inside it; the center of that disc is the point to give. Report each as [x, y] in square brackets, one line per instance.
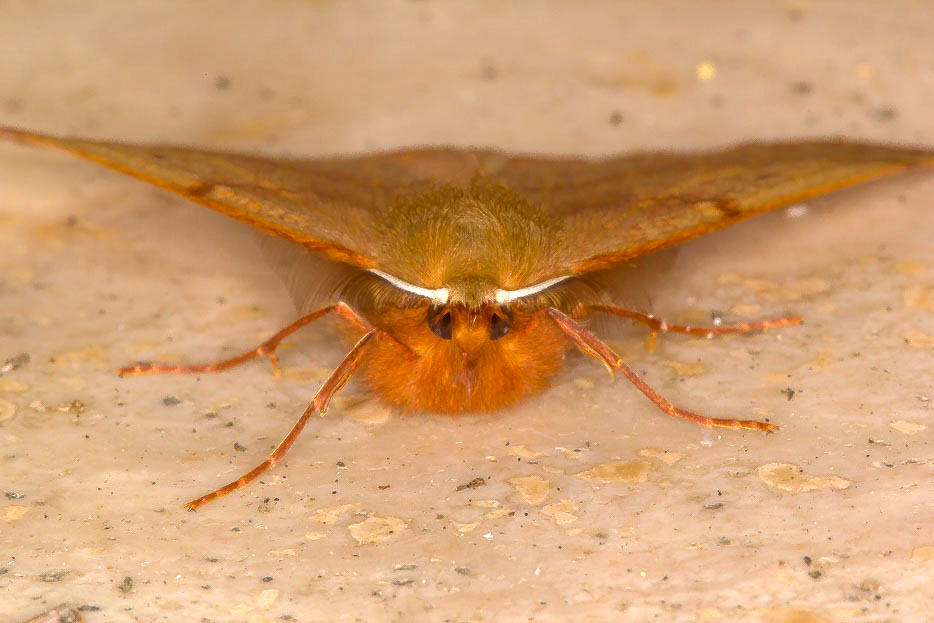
[465, 275]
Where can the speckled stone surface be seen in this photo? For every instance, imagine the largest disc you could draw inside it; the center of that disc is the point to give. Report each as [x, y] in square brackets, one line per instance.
[593, 506]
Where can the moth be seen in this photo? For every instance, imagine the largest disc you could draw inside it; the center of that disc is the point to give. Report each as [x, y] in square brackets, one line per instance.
[464, 275]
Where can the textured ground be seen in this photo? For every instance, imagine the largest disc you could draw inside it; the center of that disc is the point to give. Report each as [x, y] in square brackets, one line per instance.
[365, 522]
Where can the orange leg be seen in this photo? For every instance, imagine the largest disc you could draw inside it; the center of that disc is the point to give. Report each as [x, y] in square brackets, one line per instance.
[660, 326]
[331, 386]
[594, 347]
[267, 348]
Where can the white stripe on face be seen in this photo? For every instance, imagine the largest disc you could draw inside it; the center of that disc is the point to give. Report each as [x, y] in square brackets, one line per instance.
[507, 296]
[439, 296]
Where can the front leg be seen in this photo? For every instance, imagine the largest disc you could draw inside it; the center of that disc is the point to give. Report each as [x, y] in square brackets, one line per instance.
[593, 346]
[322, 399]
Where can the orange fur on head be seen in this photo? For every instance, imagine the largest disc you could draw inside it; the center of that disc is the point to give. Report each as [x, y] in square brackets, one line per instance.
[469, 372]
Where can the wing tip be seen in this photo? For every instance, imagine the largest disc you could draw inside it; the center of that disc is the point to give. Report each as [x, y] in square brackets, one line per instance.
[24, 137]
[15, 134]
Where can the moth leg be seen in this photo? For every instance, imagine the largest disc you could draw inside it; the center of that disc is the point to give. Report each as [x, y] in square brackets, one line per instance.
[267, 348]
[319, 404]
[661, 326]
[593, 346]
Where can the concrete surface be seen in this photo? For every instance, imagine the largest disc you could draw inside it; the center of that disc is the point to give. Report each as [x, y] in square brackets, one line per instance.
[364, 522]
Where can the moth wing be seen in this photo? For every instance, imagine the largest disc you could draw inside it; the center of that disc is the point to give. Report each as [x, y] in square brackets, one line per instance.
[616, 209]
[330, 205]
[609, 210]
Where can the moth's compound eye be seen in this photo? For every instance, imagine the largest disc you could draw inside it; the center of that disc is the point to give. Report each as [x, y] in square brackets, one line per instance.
[439, 321]
[500, 323]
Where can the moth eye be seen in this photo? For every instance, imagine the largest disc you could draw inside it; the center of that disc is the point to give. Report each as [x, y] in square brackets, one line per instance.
[500, 323]
[439, 321]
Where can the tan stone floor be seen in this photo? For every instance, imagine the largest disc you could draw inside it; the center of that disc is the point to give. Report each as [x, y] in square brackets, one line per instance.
[97, 270]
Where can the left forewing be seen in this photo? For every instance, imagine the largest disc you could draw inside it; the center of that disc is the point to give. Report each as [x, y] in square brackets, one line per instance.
[331, 206]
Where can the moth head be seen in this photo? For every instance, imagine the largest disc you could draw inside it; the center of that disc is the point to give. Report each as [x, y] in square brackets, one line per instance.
[475, 312]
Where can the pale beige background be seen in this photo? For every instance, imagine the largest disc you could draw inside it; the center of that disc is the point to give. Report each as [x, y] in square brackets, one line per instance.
[97, 270]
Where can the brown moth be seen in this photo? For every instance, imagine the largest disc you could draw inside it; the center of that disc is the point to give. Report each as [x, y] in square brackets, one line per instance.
[465, 275]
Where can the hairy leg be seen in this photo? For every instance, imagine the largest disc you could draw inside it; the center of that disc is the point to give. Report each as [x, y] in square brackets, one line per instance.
[319, 404]
[657, 325]
[332, 385]
[267, 348]
[594, 347]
